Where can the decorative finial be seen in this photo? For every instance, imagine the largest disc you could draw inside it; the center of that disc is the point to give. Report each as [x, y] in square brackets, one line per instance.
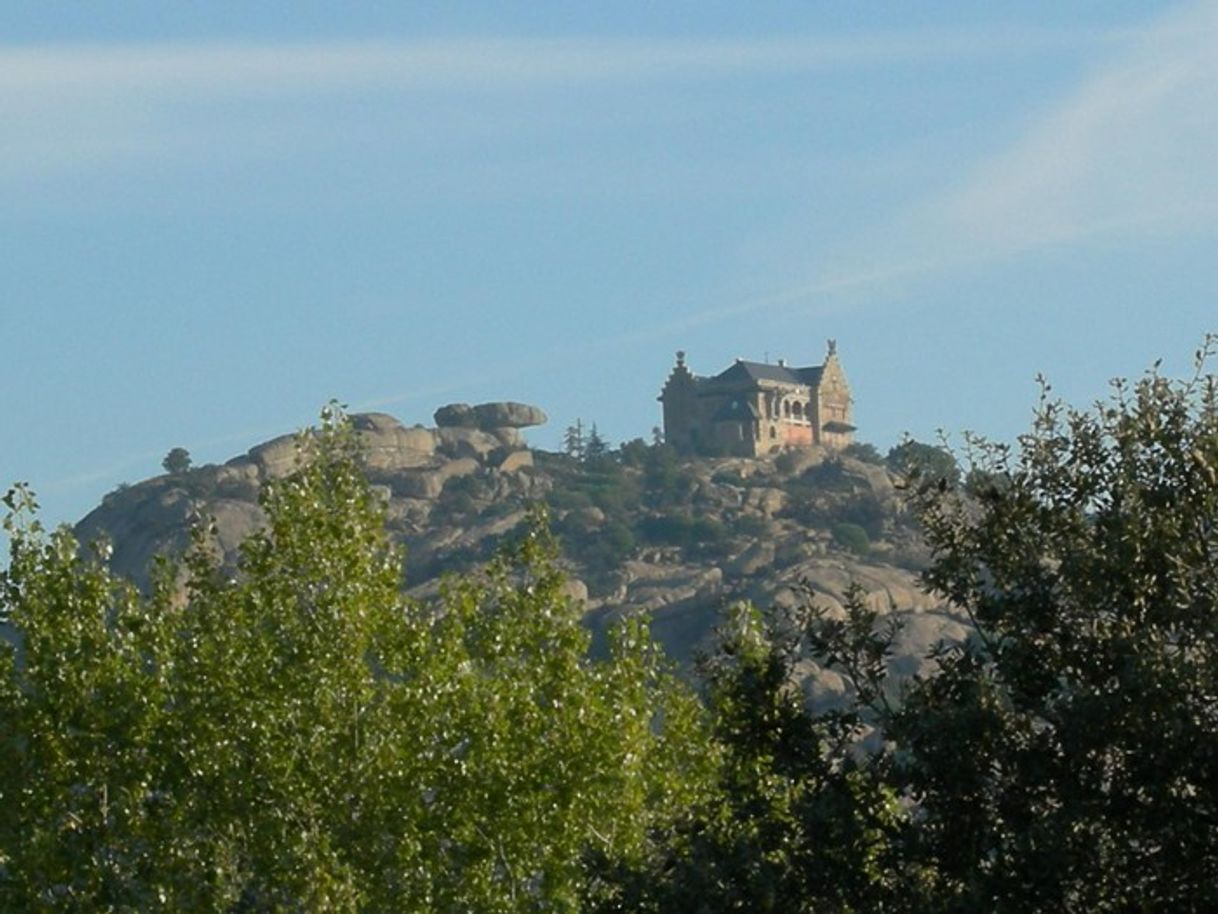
[832, 347]
[680, 358]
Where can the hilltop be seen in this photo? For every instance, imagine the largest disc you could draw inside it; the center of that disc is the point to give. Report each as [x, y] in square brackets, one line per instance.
[642, 529]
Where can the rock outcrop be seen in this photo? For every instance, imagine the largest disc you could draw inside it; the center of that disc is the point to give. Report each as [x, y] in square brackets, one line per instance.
[489, 416]
[723, 530]
[411, 465]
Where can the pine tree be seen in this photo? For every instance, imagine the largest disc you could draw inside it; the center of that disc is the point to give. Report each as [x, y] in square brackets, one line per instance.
[573, 440]
[596, 446]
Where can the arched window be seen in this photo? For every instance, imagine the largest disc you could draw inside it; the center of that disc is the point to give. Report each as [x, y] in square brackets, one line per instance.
[798, 410]
[773, 432]
[786, 408]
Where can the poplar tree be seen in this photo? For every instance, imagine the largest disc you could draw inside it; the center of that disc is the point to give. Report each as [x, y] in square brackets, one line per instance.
[301, 737]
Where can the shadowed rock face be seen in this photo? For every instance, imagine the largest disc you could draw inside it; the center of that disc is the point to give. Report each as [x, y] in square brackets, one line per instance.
[455, 415]
[451, 493]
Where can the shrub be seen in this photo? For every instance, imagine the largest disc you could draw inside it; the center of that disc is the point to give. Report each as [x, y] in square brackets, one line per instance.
[852, 537]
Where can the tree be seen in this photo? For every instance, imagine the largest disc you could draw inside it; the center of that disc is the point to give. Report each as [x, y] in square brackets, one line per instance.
[1061, 760]
[864, 451]
[573, 440]
[924, 464]
[177, 461]
[595, 447]
[851, 537]
[633, 453]
[301, 737]
[797, 822]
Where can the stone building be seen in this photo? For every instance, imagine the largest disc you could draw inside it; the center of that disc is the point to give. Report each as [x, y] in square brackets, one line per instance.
[755, 408]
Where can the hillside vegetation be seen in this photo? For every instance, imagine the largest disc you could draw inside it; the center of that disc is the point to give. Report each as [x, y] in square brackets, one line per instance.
[281, 728]
[640, 528]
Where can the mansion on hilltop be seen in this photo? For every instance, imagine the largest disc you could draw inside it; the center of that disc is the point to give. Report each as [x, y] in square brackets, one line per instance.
[755, 408]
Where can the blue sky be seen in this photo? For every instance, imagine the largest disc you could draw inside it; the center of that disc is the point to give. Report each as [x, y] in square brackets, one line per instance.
[216, 217]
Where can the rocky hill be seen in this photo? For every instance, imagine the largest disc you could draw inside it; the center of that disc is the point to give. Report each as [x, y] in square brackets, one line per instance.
[642, 529]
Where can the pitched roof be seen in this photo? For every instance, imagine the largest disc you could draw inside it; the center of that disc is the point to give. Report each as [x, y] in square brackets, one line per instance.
[745, 372]
[810, 375]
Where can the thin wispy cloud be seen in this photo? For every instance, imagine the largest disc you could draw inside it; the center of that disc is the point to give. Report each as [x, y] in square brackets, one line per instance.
[1131, 148]
[83, 105]
[1126, 152]
[487, 63]
[815, 298]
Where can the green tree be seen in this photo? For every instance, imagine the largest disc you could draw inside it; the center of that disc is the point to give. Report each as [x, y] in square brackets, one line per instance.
[864, 451]
[1062, 759]
[82, 697]
[633, 453]
[1059, 760]
[924, 464]
[177, 461]
[596, 446]
[798, 821]
[574, 442]
[301, 737]
[852, 537]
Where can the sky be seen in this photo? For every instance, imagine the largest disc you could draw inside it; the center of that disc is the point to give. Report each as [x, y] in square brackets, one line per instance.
[217, 217]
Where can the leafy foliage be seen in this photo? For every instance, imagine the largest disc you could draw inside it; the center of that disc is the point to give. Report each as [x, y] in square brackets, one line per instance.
[852, 537]
[177, 461]
[302, 738]
[924, 464]
[797, 821]
[1060, 760]
[596, 446]
[864, 451]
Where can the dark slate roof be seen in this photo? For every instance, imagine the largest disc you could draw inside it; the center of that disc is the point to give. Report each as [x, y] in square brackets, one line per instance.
[811, 374]
[745, 372]
[736, 411]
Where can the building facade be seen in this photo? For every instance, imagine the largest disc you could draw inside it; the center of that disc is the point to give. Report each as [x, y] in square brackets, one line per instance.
[755, 408]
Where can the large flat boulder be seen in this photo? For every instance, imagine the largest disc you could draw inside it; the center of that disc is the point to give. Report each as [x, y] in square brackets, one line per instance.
[488, 416]
[508, 415]
[389, 449]
[275, 458]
